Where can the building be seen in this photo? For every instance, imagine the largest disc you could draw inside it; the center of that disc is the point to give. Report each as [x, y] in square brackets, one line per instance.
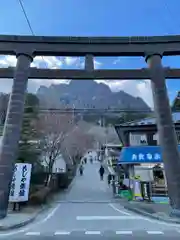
[144, 131]
[59, 165]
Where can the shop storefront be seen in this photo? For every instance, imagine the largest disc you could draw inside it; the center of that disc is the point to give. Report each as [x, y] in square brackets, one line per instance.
[139, 162]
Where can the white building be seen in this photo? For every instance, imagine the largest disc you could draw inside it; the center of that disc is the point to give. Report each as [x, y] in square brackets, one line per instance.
[59, 165]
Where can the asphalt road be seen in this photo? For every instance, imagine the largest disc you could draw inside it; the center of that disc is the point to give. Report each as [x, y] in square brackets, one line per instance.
[89, 211]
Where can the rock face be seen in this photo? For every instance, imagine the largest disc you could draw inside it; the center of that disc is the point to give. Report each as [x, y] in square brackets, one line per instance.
[87, 94]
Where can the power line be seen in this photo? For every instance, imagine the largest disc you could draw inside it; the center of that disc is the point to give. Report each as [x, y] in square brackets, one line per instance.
[26, 17]
[114, 110]
[28, 22]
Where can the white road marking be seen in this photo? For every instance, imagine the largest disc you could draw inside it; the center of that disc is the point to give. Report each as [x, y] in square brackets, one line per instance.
[90, 218]
[155, 232]
[32, 233]
[62, 233]
[32, 225]
[145, 218]
[159, 222]
[93, 232]
[124, 232]
[50, 214]
[118, 210]
[12, 233]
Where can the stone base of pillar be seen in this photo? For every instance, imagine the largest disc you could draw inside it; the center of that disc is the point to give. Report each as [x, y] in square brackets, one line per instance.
[3, 214]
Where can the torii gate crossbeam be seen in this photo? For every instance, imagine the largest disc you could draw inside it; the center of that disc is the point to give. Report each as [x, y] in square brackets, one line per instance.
[124, 74]
[97, 46]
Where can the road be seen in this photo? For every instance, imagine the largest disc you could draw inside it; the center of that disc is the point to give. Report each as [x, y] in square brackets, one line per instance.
[88, 210]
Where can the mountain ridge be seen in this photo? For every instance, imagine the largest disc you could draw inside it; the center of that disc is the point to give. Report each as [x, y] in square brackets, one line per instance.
[87, 93]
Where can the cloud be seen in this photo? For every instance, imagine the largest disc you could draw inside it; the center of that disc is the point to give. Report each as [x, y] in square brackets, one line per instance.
[97, 64]
[47, 62]
[116, 61]
[72, 61]
[6, 61]
[136, 88]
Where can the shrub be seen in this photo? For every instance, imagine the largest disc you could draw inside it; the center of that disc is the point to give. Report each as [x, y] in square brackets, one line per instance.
[64, 179]
[40, 196]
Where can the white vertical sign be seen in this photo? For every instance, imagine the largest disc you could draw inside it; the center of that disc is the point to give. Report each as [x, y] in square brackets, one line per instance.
[19, 190]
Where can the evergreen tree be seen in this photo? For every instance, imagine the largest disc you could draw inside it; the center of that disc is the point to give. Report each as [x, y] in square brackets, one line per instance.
[28, 150]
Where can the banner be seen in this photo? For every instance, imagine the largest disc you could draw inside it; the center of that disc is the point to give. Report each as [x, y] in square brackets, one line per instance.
[141, 154]
[19, 190]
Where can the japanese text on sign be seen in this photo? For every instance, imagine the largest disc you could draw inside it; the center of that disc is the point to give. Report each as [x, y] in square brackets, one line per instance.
[146, 157]
[19, 190]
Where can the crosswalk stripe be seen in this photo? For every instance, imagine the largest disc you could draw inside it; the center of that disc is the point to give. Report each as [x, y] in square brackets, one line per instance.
[62, 233]
[33, 233]
[123, 232]
[97, 232]
[93, 232]
[155, 232]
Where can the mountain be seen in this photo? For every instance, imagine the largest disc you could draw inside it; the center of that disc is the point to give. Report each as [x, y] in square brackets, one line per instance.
[87, 94]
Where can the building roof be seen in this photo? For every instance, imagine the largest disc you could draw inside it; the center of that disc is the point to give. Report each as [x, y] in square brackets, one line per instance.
[152, 120]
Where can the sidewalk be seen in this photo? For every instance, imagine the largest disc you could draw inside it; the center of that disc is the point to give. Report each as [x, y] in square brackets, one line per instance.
[17, 219]
[153, 210]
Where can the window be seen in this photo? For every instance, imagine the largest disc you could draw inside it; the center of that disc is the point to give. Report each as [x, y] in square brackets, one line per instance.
[138, 139]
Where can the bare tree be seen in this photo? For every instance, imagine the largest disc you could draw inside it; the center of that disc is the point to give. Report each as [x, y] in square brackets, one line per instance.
[77, 143]
[53, 130]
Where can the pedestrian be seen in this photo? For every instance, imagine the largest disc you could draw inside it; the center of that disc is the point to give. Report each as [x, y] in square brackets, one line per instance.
[101, 172]
[109, 179]
[81, 169]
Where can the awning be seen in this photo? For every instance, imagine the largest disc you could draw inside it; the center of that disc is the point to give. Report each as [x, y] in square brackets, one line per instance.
[141, 154]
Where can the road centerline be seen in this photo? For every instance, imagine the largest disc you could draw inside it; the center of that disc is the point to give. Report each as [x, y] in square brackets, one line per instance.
[94, 218]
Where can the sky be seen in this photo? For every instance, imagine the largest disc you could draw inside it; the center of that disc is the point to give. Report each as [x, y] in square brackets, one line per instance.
[93, 18]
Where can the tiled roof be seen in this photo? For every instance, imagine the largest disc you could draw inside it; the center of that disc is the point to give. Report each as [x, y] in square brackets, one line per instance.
[176, 118]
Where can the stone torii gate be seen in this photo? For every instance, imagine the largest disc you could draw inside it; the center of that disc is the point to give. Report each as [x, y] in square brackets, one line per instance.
[151, 48]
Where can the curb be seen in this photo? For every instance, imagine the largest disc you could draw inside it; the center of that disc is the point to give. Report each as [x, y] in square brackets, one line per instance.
[24, 223]
[146, 214]
[31, 219]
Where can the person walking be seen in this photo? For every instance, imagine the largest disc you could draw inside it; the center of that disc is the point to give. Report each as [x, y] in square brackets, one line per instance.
[101, 172]
[81, 169]
[109, 179]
